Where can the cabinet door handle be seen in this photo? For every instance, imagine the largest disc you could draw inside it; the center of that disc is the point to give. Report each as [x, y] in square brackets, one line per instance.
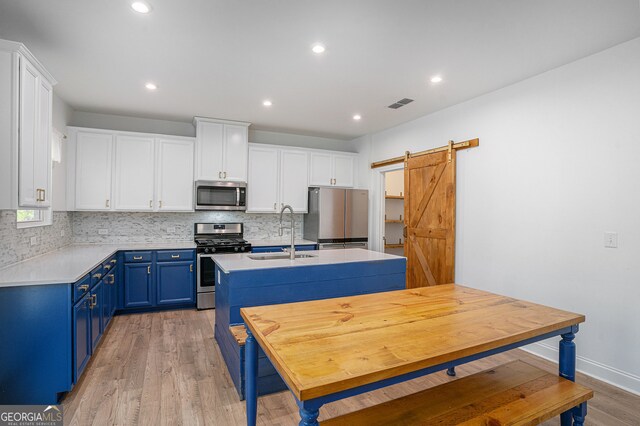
[106, 203]
[219, 175]
[114, 261]
[98, 276]
[149, 270]
[191, 268]
[113, 279]
[175, 256]
[107, 267]
[44, 195]
[84, 287]
[137, 257]
[160, 204]
[150, 204]
[275, 206]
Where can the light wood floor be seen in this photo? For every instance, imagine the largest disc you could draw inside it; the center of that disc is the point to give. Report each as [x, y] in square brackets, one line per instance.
[165, 369]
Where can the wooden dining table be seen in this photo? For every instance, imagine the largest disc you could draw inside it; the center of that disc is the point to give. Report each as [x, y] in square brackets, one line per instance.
[330, 349]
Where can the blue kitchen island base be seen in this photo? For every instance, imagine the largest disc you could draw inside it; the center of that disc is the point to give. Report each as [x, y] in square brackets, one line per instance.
[256, 287]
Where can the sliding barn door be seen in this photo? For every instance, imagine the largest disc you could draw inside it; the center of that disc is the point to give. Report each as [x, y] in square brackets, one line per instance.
[430, 218]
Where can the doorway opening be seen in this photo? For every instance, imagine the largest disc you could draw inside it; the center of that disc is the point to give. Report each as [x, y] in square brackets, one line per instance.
[394, 192]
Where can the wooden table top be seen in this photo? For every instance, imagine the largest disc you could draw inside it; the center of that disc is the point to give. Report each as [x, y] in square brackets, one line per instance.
[326, 346]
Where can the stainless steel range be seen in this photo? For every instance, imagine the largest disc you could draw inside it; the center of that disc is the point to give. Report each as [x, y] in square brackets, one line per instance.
[214, 238]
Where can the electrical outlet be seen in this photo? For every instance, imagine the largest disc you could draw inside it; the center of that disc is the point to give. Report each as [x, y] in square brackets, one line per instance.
[171, 229]
[611, 239]
[103, 232]
[33, 241]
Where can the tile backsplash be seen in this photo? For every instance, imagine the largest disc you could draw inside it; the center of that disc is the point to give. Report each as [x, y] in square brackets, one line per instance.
[116, 227]
[15, 244]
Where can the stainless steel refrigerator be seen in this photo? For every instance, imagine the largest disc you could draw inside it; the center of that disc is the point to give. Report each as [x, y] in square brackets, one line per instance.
[338, 218]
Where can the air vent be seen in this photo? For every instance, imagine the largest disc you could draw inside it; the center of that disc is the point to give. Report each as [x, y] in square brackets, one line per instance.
[400, 103]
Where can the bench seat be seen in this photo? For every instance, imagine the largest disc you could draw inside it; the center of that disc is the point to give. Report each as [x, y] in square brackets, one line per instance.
[239, 333]
[515, 393]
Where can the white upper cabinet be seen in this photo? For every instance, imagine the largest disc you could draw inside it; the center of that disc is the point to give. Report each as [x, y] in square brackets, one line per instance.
[209, 147]
[26, 98]
[343, 170]
[264, 177]
[277, 176]
[320, 170]
[174, 182]
[294, 187]
[221, 149]
[134, 173]
[143, 172]
[332, 169]
[235, 152]
[93, 166]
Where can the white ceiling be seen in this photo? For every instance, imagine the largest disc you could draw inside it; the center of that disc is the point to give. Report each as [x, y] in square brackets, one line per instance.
[223, 58]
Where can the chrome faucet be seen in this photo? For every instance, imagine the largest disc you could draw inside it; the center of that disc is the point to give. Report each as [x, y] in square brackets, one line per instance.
[292, 251]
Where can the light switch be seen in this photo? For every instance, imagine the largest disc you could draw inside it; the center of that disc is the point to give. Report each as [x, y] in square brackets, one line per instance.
[611, 239]
[103, 232]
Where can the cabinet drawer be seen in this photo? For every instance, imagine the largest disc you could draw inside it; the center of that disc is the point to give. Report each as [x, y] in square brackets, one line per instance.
[96, 275]
[81, 287]
[174, 255]
[110, 264]
[137, 256]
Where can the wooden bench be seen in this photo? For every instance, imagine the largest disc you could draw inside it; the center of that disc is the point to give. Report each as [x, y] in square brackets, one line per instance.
[239, 333]
[512, 394]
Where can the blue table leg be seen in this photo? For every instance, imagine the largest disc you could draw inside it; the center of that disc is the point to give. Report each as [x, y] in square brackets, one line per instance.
[309, 412]
[251, 379]
[567, 364]
[579, 413]
[451, 371]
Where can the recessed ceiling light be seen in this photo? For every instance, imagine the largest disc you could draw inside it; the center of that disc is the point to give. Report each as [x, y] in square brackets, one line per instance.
[141, 7]
[151, 86]
[267, 103]
[357, 117]
[436, 79]
[318, 48]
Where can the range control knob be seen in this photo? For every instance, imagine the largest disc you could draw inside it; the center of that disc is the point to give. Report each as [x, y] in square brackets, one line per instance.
[206, 249]
[242, 248]
[213, 249]
[236, 249]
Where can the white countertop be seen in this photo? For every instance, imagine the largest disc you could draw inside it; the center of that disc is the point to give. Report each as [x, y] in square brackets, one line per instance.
[243, 262]
[284, 241]
[70, 263]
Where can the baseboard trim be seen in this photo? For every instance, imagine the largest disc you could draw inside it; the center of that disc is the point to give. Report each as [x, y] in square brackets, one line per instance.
[597, 370]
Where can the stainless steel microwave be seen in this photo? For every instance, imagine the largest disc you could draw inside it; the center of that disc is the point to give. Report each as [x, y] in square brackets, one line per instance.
[220, 195]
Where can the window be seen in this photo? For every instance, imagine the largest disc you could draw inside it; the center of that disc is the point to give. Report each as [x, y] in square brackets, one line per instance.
[31, 218]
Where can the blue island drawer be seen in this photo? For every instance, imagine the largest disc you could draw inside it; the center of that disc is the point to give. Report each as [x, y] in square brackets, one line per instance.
[174, 255]
[96, 275]
[137, 256]
[110, 264]
[81, 287]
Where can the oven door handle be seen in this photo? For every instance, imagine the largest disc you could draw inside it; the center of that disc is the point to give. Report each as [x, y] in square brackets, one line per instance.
[238, 197]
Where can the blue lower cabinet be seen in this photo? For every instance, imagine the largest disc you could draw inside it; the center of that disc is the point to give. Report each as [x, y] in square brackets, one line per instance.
[108, 299]
[175, 283]
[81, 335]
[138, 285]
[97, 327]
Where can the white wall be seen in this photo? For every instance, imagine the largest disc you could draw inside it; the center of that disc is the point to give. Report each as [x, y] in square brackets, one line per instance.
[558, 165]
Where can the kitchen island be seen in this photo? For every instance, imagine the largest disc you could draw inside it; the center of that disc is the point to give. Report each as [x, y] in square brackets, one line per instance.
[244, 280]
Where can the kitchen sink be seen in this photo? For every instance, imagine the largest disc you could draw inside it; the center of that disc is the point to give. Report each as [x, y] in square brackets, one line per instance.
[279, 256]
